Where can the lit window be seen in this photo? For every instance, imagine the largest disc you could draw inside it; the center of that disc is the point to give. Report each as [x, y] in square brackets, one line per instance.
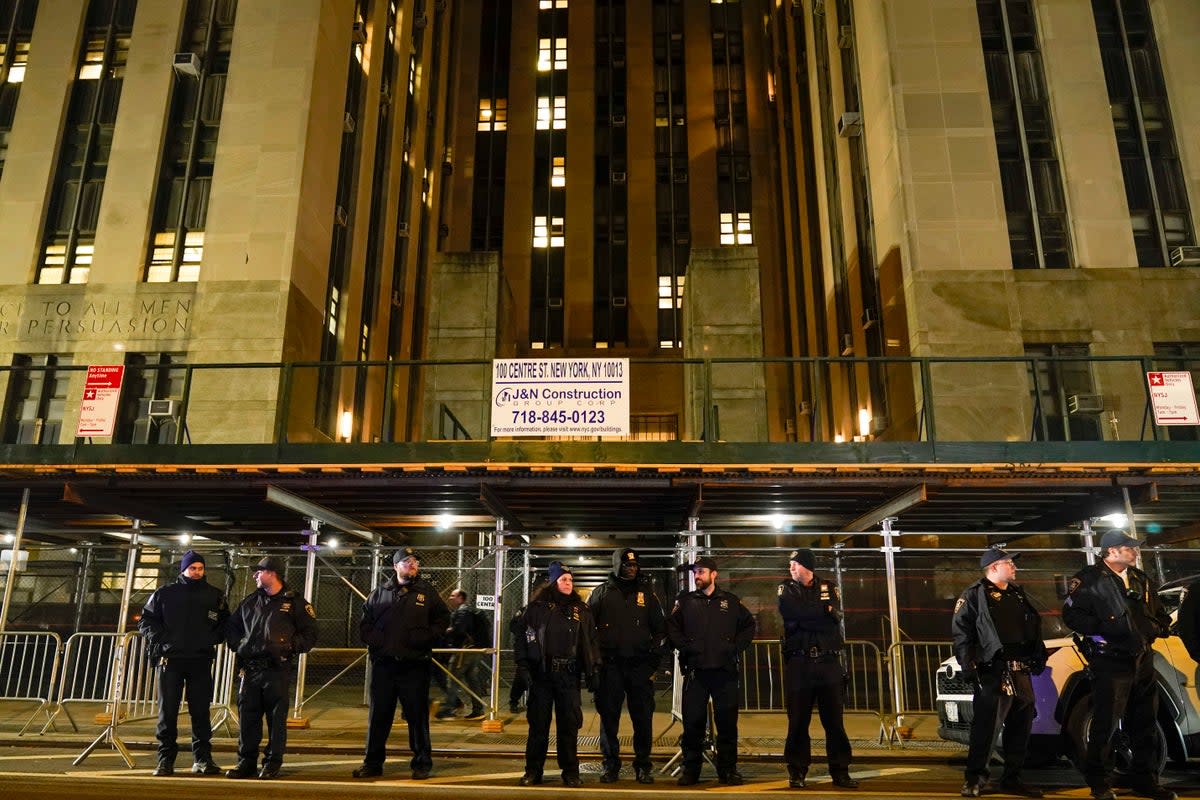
[90, 72]
[541, 232]
[552, 54]
[547, 5]
[743, 228]
[552, 113]
[493, 118]
[668, 296]
[16, 73]
[412, 74]
[727, 236]
[558, 174]
[333, 311]
[549, 232]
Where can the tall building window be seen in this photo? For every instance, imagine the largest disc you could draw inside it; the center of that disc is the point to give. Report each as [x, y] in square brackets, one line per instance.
[734, 192]
[610, 257]
[185, 177]
[343, 224]
[36, 399]
[1066, 406]
[1034, 200]
[547, 282]
[672, 215]
[70, 234]
[153, 386]
[491, 136]
[16, 29]
[1179, 357]
[1137, 94]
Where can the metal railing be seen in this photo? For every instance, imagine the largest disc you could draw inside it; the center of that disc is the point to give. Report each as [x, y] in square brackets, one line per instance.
[913, 668]
[86, 677]
[29, 669]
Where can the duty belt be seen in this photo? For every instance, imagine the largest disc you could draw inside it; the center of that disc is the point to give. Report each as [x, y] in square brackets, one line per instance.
[562, 665]
[815, 652]
[1016, 666]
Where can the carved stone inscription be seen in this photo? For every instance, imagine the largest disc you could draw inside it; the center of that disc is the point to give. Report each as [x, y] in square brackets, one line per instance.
[87, 318]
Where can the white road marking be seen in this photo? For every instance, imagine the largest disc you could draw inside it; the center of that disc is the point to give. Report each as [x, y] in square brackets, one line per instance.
[756, 785]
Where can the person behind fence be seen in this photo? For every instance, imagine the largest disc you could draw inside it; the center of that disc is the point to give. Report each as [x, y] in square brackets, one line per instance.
[554, 645]
[402, 621]
[469, 628]
[268, 630]
[183, 623]
[998, 641]
[1115, 612]
[630, 626]
[710, 628]
[813, 674]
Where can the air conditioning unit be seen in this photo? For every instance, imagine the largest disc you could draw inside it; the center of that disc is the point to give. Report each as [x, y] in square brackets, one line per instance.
[340, 216]
[187, 64]
[1085, 403]
[359, 33]
[421, 21]
[847, 344]
[680, 176]
[619, 301]
[849, 124]
[618, 177]
[402, 229]
[1185, 256]
[554, 302]
[348, 122]
[618, 120]
[162, 408]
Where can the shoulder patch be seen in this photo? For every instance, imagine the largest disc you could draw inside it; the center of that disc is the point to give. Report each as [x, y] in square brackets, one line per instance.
[1073, 584]
[780, 592]
[962, 601]
[312, 612]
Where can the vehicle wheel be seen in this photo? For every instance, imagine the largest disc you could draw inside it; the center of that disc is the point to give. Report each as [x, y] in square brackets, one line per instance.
[1079, 724]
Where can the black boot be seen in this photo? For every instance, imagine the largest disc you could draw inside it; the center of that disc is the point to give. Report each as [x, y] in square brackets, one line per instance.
[166, 766]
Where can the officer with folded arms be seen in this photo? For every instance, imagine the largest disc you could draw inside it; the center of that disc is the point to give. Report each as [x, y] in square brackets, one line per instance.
[183, 623]
[998, 642]
[711, 629]
[554, 645]
[812, 650]
[269, 629]
[1115, 612]
[402, 620]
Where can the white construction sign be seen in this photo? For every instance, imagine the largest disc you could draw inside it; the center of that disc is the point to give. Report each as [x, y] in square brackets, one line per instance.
[560, 397]
[1173, 398]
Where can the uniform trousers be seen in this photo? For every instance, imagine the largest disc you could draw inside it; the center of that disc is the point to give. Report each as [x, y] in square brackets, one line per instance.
[815, 681]
[991, 709]
[408, 682]
[263, 692]
[557, 693]
[721, 685]
[626, 681]
[195, 676]
[1123, 691]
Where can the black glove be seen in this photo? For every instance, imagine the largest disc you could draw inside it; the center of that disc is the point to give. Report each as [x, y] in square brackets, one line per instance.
[1037, 667]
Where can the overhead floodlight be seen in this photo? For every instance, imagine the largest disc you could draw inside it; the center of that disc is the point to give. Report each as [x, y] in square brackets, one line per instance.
[9, 538]
[571, 537]
[1117, 519]
[185, 538]
[777, 521]
[332, 544]
[445, 522]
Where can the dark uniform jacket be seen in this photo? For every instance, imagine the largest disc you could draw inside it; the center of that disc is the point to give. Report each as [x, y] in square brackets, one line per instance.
[630, 622]
[710, 631]
[976, 641]
[811, 618]
[267, 630]
[556, 633]
[185, 619]
[404, 621]
[1126, 622]
[1189, 620]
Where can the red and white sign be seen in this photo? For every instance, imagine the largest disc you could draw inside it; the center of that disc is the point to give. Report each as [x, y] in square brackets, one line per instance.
[1173, 398]
[101, 391]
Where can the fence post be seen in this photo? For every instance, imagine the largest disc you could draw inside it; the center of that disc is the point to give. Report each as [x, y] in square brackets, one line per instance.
[491, 723]
[889, 560]
[14, 565]
[84, 579]
[366, 701]
[1089, 542]
[310, 568]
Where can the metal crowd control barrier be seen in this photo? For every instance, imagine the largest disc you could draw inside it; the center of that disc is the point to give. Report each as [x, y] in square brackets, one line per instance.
[360, 655]
[492, 702]
[86, 674]
[914, 668]
[29, 669]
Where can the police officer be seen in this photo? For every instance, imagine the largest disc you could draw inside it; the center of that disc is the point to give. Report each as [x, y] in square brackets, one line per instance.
[812, 649]
[998, 642]
[469, 628]
[1115, 611]
[629, 626]
[183, 622]
[1189, 620]
[710, 628]
[554, 644]
[402, 620]
[267, 630]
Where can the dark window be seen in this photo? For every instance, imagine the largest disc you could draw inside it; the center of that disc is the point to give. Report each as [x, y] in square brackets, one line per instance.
[1154, 183]
[1180, 356]
[1066, 406]
[1029, 171]
[16, 29]
[36, 397]
[547, 268]
[672, 209]
[185, 177]
[734, 191]
[69, 238]
[491, 129]
[610, 312]
[150, 377]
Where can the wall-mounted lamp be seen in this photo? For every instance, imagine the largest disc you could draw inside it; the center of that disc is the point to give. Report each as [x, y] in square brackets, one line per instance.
[346, 425]
[864, 422]
[838, 438]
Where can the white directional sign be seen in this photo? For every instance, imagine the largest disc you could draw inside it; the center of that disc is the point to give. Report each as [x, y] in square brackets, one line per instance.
[560, 397]
[485, 602]
[1173, 398]
[98, 408]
